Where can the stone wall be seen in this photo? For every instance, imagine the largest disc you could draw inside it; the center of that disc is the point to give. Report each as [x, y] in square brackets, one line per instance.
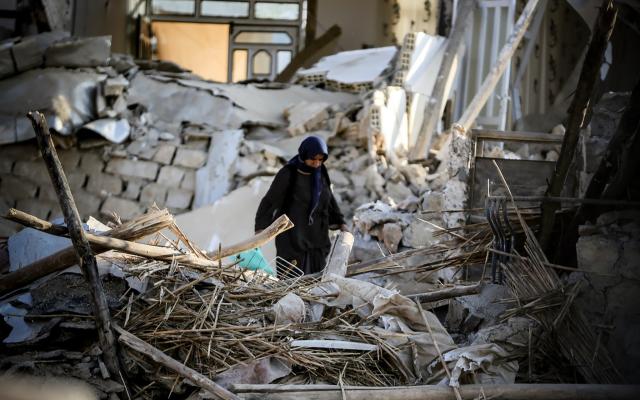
[609, 252]
[104, 180]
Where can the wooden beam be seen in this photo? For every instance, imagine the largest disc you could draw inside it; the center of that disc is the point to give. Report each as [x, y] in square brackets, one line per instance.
[504, 58]
[85, 255]
[309, 53]
[436, 392]
[278, 226]
[447, 293]
[137, 228]
[312, 22]
[137, 344]
[437, 98]
[579, 114]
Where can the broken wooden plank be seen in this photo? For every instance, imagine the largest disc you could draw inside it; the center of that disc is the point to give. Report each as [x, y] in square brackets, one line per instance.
[309, 53]
[447, 293]
[436, 392]
[85, 255]
[504, 58]
[436, 100]
[278, 226]
[137, 228]
[160, 357]
[579, 114]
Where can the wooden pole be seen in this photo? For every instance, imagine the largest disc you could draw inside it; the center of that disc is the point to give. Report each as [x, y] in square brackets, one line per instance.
[433, 392]
[85, 256]
[447, 293]
[437, 98]
[579, 111]
[135, 229]
[504, 58]
[161, 358]
[309, 53]
[312, 21]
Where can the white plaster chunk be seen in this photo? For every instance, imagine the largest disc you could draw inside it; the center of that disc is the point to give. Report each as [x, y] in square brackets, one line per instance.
[391, 236]
[417, 234]
[305, 116]
[115, 86]
[398, 191]
[289, 310]
[214, 180]
[338, 178]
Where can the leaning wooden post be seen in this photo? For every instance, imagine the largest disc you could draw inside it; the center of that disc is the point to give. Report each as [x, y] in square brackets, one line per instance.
[579, 114]
[504, 58]
[85, 255]
[437, 98]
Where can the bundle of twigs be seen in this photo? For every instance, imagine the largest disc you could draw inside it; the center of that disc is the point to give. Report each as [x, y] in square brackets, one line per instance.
[217, 321]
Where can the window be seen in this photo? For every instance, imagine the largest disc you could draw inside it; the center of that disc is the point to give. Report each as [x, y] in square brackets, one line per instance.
[173, 7]
[286, 11]
[261, 63]
[236, 9]
[263, 37]
[283, 58]
[239, 72]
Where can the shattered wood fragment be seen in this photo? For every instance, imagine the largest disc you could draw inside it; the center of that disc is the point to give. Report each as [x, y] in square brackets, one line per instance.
[435, 102]
[579, 113]
[278, 226]
[76, 232]
[447, 293]
[158, 356]
[137, 228]
[504, 58]
[437, 392]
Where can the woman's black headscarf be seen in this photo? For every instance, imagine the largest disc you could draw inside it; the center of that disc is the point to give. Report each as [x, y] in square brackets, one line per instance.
[309, 148]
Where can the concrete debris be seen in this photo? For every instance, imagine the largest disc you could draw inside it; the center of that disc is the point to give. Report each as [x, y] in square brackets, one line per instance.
[353, 71]
[79, 52]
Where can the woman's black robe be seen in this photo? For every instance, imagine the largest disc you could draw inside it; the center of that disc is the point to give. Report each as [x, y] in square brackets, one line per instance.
[306, 245]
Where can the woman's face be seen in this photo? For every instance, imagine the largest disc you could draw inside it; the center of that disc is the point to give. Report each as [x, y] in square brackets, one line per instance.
[315, 162]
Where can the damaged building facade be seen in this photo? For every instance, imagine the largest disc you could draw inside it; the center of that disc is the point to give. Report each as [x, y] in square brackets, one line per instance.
[482, 153]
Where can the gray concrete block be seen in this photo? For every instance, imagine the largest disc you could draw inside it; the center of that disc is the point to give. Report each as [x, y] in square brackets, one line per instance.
[190, 158]
[125, 209]
[153, 193]
[69, 159]
[139, 169]
[179, 198]
[15, 188]
[40, 208]
[132, 190]
[164, 154]
[189, 180]
[6, 165]
[104, 184]
[35, 171]
[170, 176]
[87, 203]
[91, 162]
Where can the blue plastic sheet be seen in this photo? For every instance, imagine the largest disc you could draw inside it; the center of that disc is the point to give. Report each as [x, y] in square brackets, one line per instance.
[254, 260]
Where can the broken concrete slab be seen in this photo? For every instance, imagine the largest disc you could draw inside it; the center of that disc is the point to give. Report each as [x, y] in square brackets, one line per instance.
[29, 52]
[305, 116]
[114, 130]
[79, 52]
[213, 181]
[355, 67]
[65, 96]
[229, 220]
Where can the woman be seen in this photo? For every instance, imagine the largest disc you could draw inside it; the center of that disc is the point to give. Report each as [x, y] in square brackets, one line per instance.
[301, 189]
